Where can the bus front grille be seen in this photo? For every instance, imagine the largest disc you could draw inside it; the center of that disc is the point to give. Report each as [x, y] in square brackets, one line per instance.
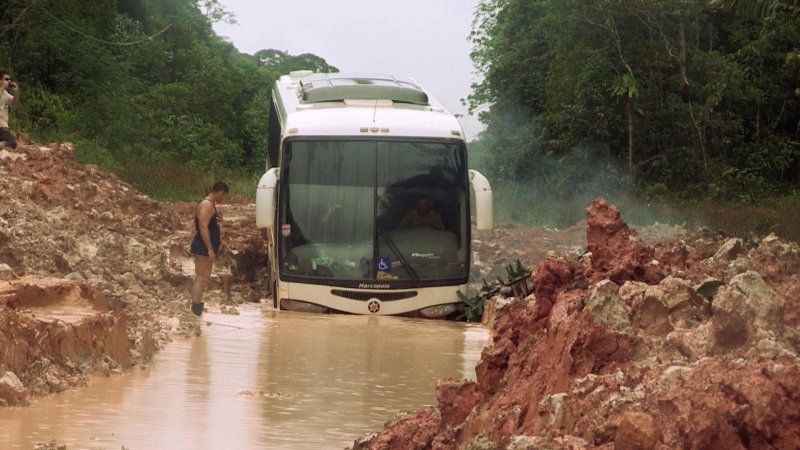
[382, 296]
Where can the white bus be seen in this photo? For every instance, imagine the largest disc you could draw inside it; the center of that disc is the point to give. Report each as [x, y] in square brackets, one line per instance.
[366, 197]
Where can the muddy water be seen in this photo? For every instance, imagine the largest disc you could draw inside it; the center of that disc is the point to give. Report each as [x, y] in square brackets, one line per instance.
[314, 381]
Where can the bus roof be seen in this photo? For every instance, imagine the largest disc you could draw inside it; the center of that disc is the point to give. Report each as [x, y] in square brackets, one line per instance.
[360, 105]
[336, 87]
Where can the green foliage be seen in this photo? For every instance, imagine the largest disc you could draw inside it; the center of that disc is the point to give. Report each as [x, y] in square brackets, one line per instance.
[759, 8]
[89, 151]
[282, 62]
[142, 84]
[45, 109]
[516, 272]
[625, 86]
[472, 306]
[673, 98]
[170, 180]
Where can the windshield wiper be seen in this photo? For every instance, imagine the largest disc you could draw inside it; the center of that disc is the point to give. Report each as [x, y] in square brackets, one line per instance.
[399, 254]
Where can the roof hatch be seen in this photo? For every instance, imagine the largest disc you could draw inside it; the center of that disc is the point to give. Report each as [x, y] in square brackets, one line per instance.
[335, 87]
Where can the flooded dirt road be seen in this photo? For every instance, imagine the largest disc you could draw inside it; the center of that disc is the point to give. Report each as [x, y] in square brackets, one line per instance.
[279, 380]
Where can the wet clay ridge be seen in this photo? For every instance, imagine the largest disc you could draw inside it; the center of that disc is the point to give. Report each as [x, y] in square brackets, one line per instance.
[687, 344]
[94, 275]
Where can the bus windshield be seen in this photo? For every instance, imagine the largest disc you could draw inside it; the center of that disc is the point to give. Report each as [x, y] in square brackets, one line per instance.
[356, 211]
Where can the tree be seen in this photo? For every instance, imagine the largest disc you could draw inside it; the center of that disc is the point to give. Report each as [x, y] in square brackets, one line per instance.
[759, 8]
[688, 97]
[282, 63]
[140, 82]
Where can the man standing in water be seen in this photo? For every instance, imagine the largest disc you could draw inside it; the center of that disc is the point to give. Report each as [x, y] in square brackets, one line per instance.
[205, 244]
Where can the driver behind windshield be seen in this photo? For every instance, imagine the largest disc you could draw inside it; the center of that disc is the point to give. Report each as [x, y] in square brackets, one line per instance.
[423, 216]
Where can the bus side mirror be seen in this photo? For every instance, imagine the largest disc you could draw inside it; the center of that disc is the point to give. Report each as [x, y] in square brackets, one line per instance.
[265, 199]
[484, 211]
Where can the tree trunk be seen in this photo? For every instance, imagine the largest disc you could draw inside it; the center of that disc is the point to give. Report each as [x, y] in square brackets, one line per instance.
[682, 62]
[629, 110]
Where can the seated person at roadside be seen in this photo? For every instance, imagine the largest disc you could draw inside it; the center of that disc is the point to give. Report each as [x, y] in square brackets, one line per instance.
[423, 216]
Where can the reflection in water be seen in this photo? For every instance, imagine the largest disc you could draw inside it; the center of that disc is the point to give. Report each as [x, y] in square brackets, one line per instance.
[327, 379]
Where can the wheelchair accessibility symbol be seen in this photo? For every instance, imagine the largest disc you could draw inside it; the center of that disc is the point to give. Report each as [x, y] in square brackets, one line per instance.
[384, 264]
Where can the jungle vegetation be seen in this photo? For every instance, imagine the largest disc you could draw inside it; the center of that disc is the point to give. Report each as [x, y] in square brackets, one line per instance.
[677, 99]
[144, 88]
[673, 98]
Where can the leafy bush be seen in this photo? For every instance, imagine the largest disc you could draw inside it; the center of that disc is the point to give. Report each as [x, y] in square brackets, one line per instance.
[472, 306]
[142, 83]
[683, 97]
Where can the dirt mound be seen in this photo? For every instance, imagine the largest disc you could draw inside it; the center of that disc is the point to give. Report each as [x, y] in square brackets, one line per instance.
[508, 242]
[616, 252]
[127, 255]
[61, 329]
[689, 344]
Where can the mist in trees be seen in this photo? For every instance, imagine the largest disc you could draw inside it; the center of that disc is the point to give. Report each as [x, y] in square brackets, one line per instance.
[676, 98]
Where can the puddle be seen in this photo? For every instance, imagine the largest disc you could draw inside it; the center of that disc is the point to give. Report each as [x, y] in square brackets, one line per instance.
[259, 380]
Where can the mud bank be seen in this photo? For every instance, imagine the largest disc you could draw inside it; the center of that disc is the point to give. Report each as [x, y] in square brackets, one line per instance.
[53, 333]
[691, 343]
[94, 275]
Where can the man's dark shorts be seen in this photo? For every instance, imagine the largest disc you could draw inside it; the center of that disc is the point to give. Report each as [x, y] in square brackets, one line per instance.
[7, 138]
[199, 248]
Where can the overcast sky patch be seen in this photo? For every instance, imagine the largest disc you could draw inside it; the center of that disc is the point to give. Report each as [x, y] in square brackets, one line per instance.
[421, 39]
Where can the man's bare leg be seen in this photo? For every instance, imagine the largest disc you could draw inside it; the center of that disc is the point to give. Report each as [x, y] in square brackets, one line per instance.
[202, 273]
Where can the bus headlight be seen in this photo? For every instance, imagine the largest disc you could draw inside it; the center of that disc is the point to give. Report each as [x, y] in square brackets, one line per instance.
[300, 306]
[435, 312]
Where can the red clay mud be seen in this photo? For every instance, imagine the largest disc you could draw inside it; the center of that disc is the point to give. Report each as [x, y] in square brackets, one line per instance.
[699, 349]
[617, 252]
[55, 332]
[94, 275]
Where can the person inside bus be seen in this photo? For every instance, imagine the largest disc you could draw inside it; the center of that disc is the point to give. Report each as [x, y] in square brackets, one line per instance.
[423, 216]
